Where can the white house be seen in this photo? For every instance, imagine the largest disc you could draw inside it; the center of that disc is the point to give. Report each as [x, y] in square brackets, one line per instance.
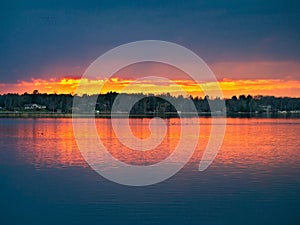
[34, 106]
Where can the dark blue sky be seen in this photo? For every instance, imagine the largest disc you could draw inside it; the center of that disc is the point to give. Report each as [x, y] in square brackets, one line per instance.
[58, 38]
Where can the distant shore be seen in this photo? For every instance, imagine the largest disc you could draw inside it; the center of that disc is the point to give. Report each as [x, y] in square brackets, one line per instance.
[166, 115]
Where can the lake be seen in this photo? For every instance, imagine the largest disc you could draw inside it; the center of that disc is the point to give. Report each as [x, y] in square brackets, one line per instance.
[255, 178]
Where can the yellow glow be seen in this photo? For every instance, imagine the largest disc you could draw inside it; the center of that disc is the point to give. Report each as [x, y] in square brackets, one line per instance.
[229, 87]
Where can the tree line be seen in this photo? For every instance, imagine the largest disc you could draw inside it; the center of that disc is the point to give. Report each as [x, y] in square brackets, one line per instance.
[148, 104]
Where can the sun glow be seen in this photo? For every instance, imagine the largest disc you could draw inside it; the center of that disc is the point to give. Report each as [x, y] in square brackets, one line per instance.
[229, 87]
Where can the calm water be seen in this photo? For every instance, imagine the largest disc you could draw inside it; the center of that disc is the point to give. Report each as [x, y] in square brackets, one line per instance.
[254, 179]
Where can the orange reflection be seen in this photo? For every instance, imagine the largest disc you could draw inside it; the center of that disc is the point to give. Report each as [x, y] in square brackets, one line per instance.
[248, 143]
[140, 129]
[48, 143]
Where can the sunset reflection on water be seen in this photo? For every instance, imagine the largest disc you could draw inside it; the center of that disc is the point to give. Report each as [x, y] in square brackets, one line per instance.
[248, 143]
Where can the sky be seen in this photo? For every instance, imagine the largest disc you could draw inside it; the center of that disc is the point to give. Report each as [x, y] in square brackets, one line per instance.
[253, 47]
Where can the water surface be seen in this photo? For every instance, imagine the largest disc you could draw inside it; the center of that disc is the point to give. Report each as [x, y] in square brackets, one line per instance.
[254, 179]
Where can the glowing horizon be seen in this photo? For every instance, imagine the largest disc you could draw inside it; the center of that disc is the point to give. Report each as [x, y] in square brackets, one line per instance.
[230, 87]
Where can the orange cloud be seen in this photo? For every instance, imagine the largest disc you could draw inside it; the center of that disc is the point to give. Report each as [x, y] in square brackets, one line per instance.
[229, 87]
[260, 77]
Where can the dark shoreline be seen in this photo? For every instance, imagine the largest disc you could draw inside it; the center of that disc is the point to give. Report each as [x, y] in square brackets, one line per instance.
[173, 115]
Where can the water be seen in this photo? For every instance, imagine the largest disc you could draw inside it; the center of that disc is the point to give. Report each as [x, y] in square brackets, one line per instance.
[254, 179]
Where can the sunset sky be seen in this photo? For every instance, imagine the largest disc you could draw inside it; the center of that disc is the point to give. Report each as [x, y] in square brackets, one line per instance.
[253, 47]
